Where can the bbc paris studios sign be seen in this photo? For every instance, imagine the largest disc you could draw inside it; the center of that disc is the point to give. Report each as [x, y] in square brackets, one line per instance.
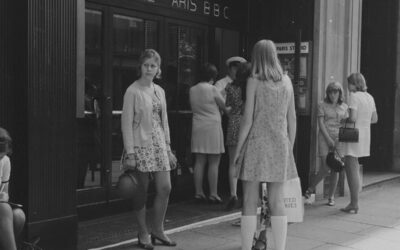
[204, 7]
[289, 48]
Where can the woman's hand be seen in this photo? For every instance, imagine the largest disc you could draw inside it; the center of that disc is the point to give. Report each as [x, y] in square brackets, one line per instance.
[172, 159]
[130, 162]
[331, 143]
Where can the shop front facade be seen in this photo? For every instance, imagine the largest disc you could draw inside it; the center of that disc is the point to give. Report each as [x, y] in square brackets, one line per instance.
[66, 66]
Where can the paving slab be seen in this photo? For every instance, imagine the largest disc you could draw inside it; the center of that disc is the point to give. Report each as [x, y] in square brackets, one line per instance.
[375, 227]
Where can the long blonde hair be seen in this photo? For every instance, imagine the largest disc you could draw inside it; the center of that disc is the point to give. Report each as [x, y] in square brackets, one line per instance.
[265, 62]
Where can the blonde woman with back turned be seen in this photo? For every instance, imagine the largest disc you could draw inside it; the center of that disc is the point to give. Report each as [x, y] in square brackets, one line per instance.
[362, 112]
[269, 129]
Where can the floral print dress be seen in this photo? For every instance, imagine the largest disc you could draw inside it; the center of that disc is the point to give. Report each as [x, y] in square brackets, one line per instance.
[234, 100]
[154, 158]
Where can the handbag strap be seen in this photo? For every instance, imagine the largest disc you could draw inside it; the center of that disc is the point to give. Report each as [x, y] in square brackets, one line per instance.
[348, 122]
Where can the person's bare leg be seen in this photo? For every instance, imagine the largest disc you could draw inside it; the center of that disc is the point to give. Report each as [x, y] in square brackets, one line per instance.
[333, 181]
[248, 222]
[353, 179]
[19, 222]
[163, 189]
[278, 216]
[213, 167]
[322, 173]
[232, 171]
[7, 240]
[140, 213]
[199, 165]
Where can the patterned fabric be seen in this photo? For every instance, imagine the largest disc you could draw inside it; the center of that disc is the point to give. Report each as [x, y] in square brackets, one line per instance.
[234, 100]
[332, 114]
[265, 216]
[268, 156]
[155, 157]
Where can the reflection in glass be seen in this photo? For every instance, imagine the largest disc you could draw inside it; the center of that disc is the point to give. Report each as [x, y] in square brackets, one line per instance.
[130, 37]
[89, 141]
[185, 55]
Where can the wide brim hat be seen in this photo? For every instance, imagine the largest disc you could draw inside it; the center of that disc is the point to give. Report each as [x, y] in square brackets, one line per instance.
[235, 59]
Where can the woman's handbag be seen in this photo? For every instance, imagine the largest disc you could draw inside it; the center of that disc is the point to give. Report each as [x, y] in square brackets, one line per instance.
[293, 200]
[334, 161]
[129, 185]
[347, 134]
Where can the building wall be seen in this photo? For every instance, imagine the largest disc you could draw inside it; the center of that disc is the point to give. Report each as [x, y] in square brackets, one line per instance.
[379, 63]
[13, 93]
[51, 86]
[37, 106]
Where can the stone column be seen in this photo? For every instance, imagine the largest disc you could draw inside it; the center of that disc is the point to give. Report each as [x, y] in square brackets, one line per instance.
[337, 44]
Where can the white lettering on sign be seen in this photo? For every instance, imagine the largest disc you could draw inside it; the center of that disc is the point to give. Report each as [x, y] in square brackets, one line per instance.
[216, 10]
[189, 5]
[209, 8]
[289, 48]
[226, 12]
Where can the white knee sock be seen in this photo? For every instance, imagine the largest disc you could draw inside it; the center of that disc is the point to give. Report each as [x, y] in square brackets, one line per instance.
[248, 226]
[279, 231]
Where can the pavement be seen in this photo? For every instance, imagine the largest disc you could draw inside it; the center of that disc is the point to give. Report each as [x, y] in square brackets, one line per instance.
[375, 227]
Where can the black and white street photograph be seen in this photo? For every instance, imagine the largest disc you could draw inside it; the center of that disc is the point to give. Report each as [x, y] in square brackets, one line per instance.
[199, 125]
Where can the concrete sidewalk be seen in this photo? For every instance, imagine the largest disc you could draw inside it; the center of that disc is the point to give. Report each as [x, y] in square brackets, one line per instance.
[375, 227]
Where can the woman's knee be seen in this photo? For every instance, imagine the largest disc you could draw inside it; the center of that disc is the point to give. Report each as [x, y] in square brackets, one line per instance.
[19, 220]
[276, 197]
[6, 211]
[164, 190]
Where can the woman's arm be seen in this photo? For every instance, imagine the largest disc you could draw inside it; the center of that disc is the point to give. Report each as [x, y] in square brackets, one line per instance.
[291, 118]
[374, 117]
[352, 115]
[220, 101]
[128, 112]
[165, 121]
[247, 118]
[324, 131]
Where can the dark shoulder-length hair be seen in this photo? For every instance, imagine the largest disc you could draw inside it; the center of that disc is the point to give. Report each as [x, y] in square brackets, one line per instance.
[242, 74]
[331, 87]
[208, 71]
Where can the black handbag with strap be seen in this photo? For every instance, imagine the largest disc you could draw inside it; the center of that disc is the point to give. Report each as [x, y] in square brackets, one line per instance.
[348, 134]
[334, 161]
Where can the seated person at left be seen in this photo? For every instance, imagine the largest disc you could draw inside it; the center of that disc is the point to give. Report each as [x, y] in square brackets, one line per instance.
[12, 217]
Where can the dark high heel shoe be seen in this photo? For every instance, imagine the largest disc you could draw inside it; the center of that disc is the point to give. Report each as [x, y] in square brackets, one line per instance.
[200, 198]
[214, 199]
[349, 209]
[147, 246]
[164, 242]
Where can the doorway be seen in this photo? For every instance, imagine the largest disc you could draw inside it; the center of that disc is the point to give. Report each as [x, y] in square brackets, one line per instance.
[114, 40]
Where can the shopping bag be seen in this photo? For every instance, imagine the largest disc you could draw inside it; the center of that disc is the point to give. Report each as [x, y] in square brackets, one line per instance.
[293, 200]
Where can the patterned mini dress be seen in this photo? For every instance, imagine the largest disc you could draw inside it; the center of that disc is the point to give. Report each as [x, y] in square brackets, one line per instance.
[233, 100]
[154, 158]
